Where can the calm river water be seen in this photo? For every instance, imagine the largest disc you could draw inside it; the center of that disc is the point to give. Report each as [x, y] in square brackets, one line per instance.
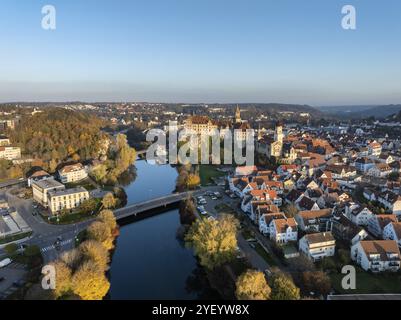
[149, 262]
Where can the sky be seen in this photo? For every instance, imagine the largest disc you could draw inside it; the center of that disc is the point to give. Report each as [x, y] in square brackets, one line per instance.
[211, 51]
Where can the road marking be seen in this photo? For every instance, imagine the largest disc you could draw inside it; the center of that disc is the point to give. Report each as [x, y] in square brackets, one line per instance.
[62, 243]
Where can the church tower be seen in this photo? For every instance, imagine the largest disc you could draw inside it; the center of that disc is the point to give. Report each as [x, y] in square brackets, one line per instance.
[279, 136]
[238, 115]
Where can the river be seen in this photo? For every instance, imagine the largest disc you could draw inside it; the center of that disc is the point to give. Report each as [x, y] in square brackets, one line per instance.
[149, 262]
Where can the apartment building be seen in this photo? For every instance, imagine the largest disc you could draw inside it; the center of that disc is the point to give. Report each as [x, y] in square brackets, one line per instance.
[72, 173]
[10, 153]
[317, 246]
[41, 188]
[66, 199]
[377, 255]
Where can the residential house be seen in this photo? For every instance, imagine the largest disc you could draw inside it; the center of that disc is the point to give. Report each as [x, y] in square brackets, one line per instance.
[284, 230]
[72, 173]
[316, 220]
[378, 222]
[41, 188]
[377, 255]
[265, 222]
[358, 214]
[393, 232]
[317, 246]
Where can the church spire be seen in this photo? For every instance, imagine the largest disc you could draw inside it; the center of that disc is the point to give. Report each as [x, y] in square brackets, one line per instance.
[238, 115]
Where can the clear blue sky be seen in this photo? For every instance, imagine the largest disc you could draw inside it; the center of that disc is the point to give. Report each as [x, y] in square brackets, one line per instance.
[202, 51]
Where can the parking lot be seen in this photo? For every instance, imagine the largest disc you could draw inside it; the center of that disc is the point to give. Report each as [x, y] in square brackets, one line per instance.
[11, 274]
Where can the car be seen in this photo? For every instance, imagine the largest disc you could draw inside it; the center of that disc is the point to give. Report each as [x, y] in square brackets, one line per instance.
[203, 212]
[217, 194]
[200, 208]
[268, 272]
[5, 262]
[214, 198]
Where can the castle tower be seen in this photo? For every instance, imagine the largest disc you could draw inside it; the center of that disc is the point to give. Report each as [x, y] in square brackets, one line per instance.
[238, 115]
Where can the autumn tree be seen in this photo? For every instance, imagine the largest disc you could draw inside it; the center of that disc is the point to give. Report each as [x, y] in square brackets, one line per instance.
[283, 288]
[192, 181]
[290, 211]
[109, 201]
[214, 241]
[89, 281]
[252, 285]
[72, 258]
[101, 232]
[63, 278]
[88, 206]
[317, 282]
[108, 217]
[96, 252]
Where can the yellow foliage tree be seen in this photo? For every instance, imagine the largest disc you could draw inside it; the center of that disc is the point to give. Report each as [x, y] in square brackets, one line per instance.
[214, 241]
[108, 217]
[89, 282]
[96, 252]
[109, 201]
[283, 288]
[63, 278]
[252, 285]
[99, 231]
[193, 180]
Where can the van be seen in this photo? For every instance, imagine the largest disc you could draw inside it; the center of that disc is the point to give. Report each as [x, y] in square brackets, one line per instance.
[5, 262]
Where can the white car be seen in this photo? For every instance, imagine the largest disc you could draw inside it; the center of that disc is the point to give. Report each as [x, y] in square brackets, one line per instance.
[5, 262]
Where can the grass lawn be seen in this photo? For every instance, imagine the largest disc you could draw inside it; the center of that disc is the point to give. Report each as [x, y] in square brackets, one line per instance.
[206, 172]
[265, 255]
[15, 237]
[85, 183]
[368, 283]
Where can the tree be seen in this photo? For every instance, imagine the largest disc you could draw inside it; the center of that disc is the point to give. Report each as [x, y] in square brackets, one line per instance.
[96, 252]
[252, 285]
[89, 282]
[317, 282]
[394, 176]
[72, 258]
[109, 201]
[192, 181]
[99, 173]
[108, 217]
[214, 241]
[11, 248]
[290, 211]
[283, 288]
[63, 278]
[101, 232]
[88, 206]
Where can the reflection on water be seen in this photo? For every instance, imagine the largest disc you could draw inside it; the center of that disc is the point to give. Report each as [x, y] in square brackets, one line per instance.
[149, 262]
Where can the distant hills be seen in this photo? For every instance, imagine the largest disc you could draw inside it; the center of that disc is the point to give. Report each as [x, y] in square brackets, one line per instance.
[362, 111]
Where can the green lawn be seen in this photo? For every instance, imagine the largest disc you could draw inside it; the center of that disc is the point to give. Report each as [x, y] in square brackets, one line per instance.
[265, 255]
[368, 283]
[15, 237]
[206, 172]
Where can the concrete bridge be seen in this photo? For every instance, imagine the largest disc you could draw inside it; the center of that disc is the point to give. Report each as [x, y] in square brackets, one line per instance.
[137, 208]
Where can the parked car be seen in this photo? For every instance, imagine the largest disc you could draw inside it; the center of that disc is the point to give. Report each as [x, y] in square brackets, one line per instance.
[5, 262]
[217, 195]
[214, 198]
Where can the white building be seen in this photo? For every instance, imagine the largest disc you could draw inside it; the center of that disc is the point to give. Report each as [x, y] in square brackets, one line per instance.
[41, 188]
[72, 173]
[66, 199]
[358, 214]
[10, 153]
[317, 246]
[377, 255]
[393, 232]
[284, 230]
